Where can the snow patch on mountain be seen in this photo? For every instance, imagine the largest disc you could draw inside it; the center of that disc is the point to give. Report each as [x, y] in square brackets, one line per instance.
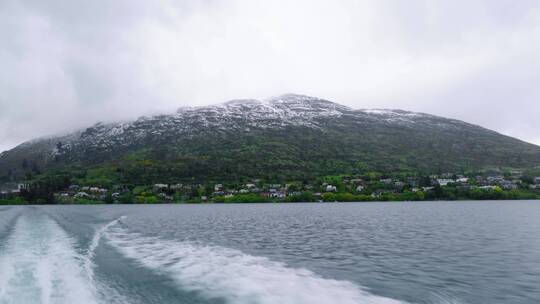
[234, 116]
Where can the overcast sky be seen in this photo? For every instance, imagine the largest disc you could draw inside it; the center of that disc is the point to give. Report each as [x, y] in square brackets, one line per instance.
[66, 64]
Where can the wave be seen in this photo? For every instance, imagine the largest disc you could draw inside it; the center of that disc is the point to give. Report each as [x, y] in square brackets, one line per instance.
[218, 272]
[89, 265]
[39, 264]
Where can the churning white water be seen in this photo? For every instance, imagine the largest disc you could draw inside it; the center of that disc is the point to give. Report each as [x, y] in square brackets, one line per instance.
[218, 272]
[38, 264]
[52, 258]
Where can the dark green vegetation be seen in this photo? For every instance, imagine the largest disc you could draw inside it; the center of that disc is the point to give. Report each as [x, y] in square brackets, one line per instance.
[239, 141]
[373, 186]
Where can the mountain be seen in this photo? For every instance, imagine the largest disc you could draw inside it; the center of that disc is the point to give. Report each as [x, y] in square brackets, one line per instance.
[286, 137]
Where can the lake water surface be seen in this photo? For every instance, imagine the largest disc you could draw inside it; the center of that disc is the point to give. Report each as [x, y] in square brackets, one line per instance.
[428, 252]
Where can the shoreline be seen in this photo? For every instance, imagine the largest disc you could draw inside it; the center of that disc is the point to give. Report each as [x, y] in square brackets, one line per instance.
[264, 203]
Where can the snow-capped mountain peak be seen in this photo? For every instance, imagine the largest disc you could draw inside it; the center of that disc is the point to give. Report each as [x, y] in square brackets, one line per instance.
[290, 118]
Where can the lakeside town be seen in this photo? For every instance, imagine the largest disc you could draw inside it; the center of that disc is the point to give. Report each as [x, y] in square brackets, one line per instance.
[368, 187]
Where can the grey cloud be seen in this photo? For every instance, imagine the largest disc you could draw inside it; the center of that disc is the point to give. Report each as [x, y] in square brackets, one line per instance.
[67, 64]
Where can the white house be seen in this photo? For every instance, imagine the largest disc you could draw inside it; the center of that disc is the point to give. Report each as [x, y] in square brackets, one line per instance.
[160, 186]
[488, 187]
[331, 188]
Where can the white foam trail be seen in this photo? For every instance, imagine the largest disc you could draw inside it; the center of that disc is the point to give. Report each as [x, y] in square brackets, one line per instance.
[39, 264]
[89, 265]
[105, 293]
[218, 272]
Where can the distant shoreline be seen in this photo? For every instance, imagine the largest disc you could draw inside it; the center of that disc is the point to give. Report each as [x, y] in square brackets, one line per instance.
[266, 203]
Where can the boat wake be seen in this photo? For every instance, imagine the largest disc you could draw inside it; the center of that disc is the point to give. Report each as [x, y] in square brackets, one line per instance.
[217, 272]
[39, 264]
[89, 265]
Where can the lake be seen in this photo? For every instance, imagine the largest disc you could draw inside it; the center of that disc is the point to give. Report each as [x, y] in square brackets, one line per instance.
[417, 252]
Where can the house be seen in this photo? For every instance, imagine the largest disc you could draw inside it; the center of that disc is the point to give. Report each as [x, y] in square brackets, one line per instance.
[386, 181]
[537, 180]
[255, 190]
[23, 186]
[495, 179]
[445, 181]
[331, 188]
[509, 186]
[82, 195]
[218, 187]
[488, 187]
[176, 187]
[243, 191]
[250, 186]
[360, 188]
[516, 173]
[274, 193]
[278, 194]
[462, 180]
[357, 181]
[160, 186]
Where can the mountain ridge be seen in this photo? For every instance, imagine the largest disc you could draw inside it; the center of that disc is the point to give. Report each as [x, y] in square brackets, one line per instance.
[348, 139]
